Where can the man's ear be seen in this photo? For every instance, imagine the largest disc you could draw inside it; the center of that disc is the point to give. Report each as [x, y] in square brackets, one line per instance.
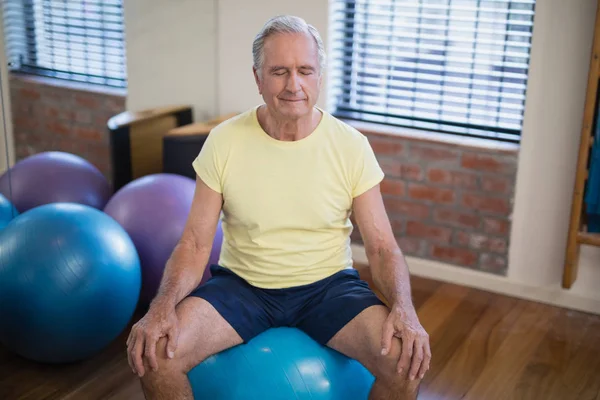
[257, 79]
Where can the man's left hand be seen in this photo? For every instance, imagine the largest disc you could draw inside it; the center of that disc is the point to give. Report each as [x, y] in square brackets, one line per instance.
[416, 352]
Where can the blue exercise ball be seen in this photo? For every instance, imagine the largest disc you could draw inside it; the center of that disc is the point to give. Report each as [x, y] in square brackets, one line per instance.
[7, 211]
[280, 363]
[70, 280]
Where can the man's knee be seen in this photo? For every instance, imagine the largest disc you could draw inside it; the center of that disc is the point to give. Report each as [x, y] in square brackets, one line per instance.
[387, 372]
[179, 364]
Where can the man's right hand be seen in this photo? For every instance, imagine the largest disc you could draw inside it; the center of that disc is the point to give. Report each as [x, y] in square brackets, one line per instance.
[159, 322]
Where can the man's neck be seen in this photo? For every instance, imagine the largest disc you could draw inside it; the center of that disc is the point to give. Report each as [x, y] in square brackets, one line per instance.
[288, 130]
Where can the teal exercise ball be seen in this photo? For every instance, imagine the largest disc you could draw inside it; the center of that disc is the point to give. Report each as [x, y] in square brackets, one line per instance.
[70, 280]
[281, 363]
[7, 211]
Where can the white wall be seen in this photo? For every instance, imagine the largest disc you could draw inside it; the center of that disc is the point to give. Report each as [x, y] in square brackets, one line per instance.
[171, 54]
[5, 112]
[237, 27]
[547, 162]
[200, 52]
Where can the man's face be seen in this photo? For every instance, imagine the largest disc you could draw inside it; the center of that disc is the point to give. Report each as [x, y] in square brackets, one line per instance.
[290, 78]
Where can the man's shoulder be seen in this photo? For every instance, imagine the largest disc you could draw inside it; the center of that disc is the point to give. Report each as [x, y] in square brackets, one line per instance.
[344, 133]
[234, 125]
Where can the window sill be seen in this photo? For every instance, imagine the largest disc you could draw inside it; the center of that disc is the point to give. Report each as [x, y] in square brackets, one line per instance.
[71, 85]
[433, 137]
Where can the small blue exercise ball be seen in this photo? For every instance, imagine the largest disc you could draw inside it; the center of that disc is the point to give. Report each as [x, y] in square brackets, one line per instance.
[281, 363]
[7, 211]
[70, 280]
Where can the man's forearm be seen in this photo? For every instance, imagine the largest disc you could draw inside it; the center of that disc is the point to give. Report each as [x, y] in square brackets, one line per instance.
[183, 273]
[390, 275]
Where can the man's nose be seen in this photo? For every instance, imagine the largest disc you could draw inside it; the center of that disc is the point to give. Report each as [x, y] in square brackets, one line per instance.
[293, 83]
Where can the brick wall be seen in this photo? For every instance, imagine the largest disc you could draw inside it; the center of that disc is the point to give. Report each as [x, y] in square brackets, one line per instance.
[447, 202]
[62, 116]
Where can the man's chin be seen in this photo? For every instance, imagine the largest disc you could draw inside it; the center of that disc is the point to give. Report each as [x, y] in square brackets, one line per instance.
[294, 108]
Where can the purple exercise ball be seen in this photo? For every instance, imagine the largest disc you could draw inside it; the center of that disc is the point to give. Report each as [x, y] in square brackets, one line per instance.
[154, 210]
[54, 177]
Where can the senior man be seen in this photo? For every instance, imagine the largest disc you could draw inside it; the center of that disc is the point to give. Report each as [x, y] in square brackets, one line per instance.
[286, 175]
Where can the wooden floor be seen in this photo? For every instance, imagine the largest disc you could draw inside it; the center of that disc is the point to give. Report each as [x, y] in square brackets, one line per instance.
[484, 346]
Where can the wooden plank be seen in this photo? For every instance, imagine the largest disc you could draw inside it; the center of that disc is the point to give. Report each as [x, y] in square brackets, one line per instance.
[580, 374]
[129, 118]
[459, 374]
[501, 374]
[199, 128]
[440, 306]
[572, 251]
[447, 334]
[147, 145]
[592, 239]
[566, 362]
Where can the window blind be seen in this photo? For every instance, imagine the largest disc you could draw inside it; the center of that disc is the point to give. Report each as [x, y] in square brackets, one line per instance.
[78, 40]
[455, 66]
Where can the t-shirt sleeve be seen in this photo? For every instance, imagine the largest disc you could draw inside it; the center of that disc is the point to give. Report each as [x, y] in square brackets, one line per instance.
[208, 164]
[368, 172]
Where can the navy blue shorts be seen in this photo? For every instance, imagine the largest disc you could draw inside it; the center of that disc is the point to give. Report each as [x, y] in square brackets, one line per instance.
[320, 309]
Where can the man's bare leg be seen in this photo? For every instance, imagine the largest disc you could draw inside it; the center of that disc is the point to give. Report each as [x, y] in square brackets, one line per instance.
[360, 339]
[203, 332]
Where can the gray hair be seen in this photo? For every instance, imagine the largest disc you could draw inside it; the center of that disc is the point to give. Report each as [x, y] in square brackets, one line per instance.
[285, 24]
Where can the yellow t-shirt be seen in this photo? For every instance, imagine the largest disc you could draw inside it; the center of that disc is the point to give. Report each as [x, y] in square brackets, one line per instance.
[286, 204]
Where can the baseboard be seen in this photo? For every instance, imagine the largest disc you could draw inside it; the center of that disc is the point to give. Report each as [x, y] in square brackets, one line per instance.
[554, 295]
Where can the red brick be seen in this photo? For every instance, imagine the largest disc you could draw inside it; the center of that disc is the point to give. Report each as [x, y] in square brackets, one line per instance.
[493, 263]
[486, 203]
[488, 163]
[87, 101]
[30, 93]
[391, 167]
[47, 118]
[454, 255]
[386, 147]
[58, 128]
[51, 112]
[100, 152]
[496, 226]
[478, 241]
[411, 172]
[432, 153]
[397, 169]
[70, 146]
[115, 105]
[101, 119]
[454, 178]
[397, 226]
[392, 187]
[430, 193]
[91, 133]
[496, 184]
[400, 207]
[83, 116]
[455, 218]
[25, 123]
[461, 238]
[57, 95]
[427, 231]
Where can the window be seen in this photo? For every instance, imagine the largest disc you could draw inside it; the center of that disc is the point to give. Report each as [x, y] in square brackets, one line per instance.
[78, 40]
[453, 66]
